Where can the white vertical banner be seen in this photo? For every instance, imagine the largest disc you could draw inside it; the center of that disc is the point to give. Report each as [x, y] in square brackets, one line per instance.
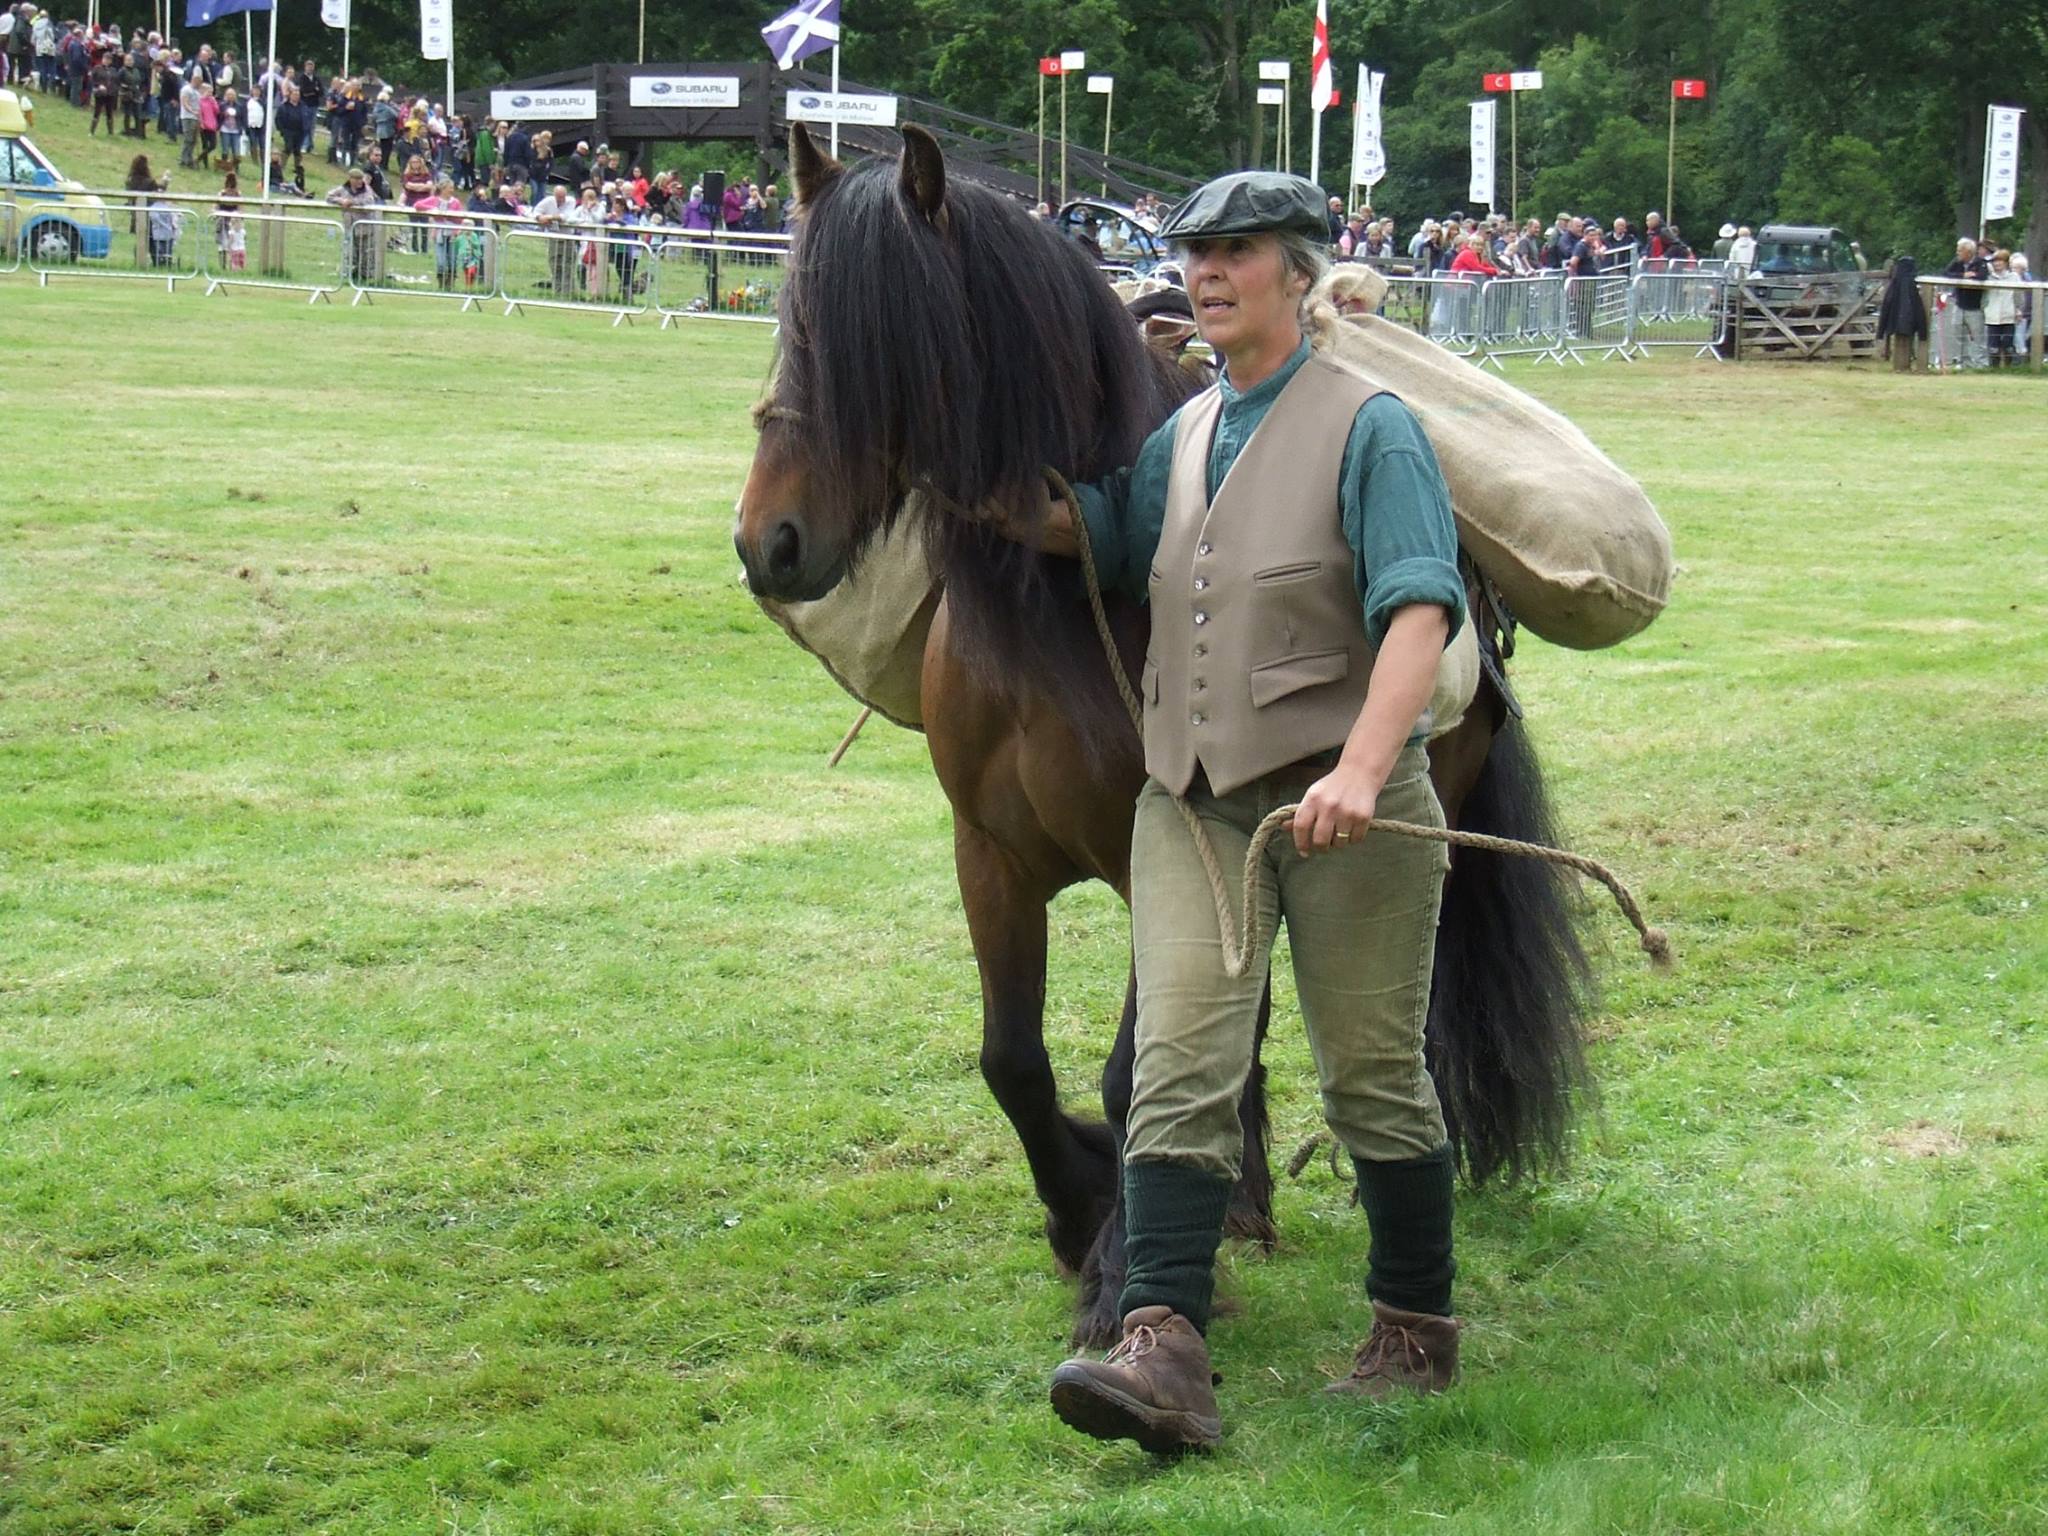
[1481, 190]
[2002, 162]
[334, 13]
[437, 28]
[1368, 155]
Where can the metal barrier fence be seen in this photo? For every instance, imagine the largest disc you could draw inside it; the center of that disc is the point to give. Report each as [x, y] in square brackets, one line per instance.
[422, 255]
[253, 249]
[10, 247]
[718, 276]
[118, 234]
[1441, 307]
[1597, 313]
[610, 273]
[1522, 317]
[1678, 308]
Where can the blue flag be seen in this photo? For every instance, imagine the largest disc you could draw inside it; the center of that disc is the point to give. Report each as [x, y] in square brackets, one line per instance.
[808, 27]
[199, 12]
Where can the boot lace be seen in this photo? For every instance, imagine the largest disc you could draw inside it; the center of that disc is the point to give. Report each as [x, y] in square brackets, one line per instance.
[1135, 1345]
[1387, 1342]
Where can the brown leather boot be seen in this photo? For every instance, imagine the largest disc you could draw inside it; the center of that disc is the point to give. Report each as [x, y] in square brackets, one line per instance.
[1155, 1387]
[1405, 1352]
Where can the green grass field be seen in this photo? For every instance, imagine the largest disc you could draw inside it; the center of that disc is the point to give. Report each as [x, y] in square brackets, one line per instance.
[467, 1066]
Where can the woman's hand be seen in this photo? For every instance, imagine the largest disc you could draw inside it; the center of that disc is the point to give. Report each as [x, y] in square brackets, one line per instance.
[1053, 533]
[1337, 810]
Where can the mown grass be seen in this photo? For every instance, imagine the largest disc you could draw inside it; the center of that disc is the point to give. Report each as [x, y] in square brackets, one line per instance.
[466, 1065]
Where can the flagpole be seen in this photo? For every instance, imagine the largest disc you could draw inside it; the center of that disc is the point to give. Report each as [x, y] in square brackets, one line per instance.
[348, 27]
[269, 100]
[1514, 190]
[835, 101]
[1108, 112]
[1041, 135]
[1315, 144]
[1671, 158]
[249, 39]
[1063, 133]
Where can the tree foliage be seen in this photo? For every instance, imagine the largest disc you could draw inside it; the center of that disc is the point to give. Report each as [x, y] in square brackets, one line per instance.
[1868, 116]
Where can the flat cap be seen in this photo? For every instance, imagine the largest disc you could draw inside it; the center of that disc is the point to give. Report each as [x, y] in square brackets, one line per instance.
[1249, 203]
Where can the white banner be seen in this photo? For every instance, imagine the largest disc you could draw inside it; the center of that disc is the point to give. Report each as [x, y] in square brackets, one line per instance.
[1274, 69]
[1368, 155]
[1272, 95]
[680, 91]
[334, 13]
[1526, 80]
[816, 107]
[1481, 191]
[2002, 162]
[437, 28]
[1073, 59]
[543, 106]
[1101, 85]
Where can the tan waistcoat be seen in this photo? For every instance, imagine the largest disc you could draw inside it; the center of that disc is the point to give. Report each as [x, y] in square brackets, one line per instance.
[1258, 655]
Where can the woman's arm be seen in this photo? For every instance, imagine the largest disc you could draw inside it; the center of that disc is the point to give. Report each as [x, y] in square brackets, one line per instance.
[1403, 678]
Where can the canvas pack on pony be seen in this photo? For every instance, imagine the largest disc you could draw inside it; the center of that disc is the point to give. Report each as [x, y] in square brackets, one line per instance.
[1572, 542]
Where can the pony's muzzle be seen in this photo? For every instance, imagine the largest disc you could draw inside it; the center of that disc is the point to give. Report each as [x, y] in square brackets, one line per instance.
[778, 566]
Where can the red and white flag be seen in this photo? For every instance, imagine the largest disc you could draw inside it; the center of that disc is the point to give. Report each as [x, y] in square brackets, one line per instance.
[1322, 89]
[1689, 90]
[1049, 66]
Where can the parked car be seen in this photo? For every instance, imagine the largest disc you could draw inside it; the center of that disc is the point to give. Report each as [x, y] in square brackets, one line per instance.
[1119, 238]
[1803, 250]
[51, 220]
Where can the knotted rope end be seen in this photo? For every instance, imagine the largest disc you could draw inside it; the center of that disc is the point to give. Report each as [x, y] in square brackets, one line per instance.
[1657, 945]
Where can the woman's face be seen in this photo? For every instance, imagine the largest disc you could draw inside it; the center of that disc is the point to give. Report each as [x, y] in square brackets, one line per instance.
[1242, 292]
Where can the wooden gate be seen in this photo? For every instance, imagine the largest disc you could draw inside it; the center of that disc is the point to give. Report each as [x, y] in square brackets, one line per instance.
[1806, 318]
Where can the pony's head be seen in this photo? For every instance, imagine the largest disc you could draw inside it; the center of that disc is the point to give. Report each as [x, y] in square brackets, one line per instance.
[934, 336]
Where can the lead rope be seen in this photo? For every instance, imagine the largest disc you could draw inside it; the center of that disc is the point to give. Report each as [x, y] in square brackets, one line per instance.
[1241, 943]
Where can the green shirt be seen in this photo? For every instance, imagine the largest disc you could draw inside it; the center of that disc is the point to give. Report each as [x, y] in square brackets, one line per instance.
[1396, 509]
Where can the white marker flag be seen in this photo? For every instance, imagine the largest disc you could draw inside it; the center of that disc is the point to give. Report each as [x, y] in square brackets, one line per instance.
[437, 28]
[1368, 155]
[1481, 190]
[334, 13]
[2002, 162]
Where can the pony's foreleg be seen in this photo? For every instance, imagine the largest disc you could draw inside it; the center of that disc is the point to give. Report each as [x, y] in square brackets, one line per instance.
[1098, 1317]
[1251, 1203]
[1073, 1163]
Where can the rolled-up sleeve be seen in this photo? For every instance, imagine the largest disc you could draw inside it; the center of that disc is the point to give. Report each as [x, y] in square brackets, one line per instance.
[1397, 518]
[1125, 511]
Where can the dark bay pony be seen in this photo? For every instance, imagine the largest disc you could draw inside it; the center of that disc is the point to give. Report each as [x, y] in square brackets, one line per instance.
[935, 336]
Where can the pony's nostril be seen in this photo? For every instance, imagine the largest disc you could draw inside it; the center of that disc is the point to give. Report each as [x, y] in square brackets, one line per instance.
[785, 549]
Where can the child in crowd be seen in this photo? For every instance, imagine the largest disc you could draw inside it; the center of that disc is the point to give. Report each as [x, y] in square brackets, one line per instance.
[230, 238]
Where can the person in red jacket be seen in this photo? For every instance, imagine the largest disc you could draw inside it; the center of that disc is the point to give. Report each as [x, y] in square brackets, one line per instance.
[1470, 261]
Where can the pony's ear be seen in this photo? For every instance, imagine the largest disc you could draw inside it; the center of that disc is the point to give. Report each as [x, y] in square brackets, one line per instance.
[810, 169]
[923, 171]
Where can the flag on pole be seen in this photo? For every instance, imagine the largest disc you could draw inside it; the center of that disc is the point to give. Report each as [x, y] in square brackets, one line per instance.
[1321, 87]
[1689, 90]
[437, 28]
[334, 13]
[2002, 162]
[199, 12]
[810, 26]
[1480, 191]
[1049, 66]
[1368, 155]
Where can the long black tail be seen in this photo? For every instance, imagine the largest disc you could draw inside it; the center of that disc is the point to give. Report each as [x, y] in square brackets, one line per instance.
[1512, 986]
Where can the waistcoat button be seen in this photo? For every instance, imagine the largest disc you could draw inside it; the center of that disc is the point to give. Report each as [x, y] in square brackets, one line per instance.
[1201, 583]
[1197, 719]
[1201, 651]
[1199, 685]
[1201, 618]
[1204, 548]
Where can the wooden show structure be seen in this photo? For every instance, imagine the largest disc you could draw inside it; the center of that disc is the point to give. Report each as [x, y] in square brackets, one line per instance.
[980, 149]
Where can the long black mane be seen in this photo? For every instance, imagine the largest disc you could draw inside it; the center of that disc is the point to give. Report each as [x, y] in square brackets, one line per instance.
[962, 355]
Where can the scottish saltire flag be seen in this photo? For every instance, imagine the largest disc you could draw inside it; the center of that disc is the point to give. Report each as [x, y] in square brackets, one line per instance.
[199, 12]
[806, 28]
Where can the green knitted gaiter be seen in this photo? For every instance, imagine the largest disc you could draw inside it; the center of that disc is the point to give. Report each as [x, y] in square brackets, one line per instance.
[1408, 1206]
[1173, 1220]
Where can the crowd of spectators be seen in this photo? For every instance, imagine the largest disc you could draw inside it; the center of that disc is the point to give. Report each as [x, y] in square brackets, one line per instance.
[1993, 311]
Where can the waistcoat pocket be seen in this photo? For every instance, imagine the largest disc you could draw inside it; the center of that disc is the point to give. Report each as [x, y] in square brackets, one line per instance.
[1274, 575]
[1290, 674]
